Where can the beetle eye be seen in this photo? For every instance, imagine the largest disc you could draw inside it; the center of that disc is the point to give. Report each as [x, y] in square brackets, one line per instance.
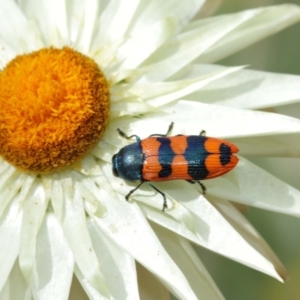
[114, 165]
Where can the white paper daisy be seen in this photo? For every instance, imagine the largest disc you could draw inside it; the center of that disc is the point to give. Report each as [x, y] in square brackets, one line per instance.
[75, 71]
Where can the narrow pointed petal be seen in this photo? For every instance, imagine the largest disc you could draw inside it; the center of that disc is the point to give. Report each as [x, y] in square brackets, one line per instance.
[51, 19]
[6, 53]
[14, 181]
[215, 38]
[88, 17]
[10, 233]
[122, 282]
[185, 257]
[219, 121]
[244, 227]
[150, 12]
[114, 22]
[54, 262]
[16, 31]
[161, 93]
[68, 206]
[34, 209]
[251, 185]
[141, 46]
[276, 145]
[203, 223]
[259, 24]
[16, 279]
[247, 88]
[126, 226]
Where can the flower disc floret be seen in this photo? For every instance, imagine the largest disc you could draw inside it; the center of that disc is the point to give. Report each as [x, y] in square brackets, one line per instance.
[54, 107]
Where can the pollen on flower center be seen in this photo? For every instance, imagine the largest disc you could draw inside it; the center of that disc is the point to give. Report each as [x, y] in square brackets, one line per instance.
[54, 107]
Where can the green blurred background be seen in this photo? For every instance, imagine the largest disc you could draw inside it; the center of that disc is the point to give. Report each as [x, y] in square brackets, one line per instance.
[279, 53]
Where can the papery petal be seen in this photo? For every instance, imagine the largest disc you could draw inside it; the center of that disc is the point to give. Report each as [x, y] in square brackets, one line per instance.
[244, 227]
[89, 15]
[214, 38]
[10, 233]
[219, 121]
[34, 209]
[161, 93]
[150, 12]
[68, 206]
[16, 31]
[126, 226]
[142, 45]
[16, 279]
[245, 88]
[276, 145]
[114, 21]
[50, 17]
[200, 221]
[185, 257]
[54, 262]
[6, 53]
[259, 24]
[117, 266]
[251, 185]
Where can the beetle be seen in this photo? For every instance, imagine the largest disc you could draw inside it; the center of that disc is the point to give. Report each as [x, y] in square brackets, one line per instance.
[161, 157]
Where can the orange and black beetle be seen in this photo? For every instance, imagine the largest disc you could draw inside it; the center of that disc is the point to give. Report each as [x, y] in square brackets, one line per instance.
[162, 158]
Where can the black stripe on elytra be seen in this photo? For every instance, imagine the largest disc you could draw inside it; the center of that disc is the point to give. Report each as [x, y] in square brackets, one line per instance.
[195, 154]
[225, 154]
[165, 157]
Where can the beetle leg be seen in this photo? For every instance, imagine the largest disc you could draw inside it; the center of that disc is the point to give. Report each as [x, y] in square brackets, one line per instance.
[168, 132]
[165, 205]
[202, 133]
[200, 183]
[124, 135]
[132, 191]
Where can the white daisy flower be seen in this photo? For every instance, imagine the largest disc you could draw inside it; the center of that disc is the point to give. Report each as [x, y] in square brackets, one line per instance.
[75, 71]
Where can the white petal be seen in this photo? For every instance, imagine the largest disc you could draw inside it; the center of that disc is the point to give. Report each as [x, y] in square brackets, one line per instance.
[54, 263]
[213, 230]
[155, 10]
[118, 267]
[199, 217]
[246, 88]
[185, 48]
[68, 207]
[16, 287]
[185, 257]
[10, 183]
[280, 145]
[217, 121]
[244, 227]
[161, 93]
[10, 233]
[218, 37]
[88, 18]
[114, 21]
[6, 53]
[253, 186]
[259, 24]
[15, 30]
[34, 209]
[123, 108]
[126, 226]
[142, 45]
[51, 19]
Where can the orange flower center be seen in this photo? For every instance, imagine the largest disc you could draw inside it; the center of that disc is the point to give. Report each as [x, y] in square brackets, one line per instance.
[54, 107]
